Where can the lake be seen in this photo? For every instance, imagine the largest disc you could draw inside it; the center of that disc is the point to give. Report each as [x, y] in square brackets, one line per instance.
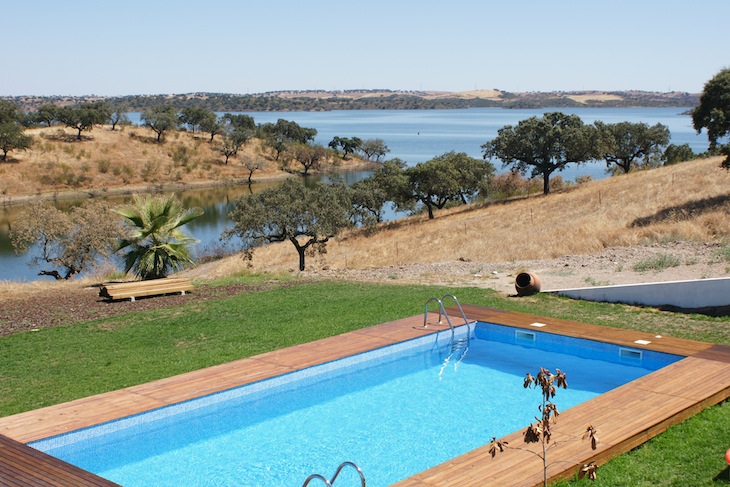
[412, 135]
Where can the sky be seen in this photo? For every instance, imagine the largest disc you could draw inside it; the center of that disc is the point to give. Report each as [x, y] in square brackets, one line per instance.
[131, 47]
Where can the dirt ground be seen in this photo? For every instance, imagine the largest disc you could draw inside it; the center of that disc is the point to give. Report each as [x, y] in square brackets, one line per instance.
[612, 266]
[43, 304]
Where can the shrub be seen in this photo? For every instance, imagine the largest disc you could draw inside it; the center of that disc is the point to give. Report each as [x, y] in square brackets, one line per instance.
[656, 263]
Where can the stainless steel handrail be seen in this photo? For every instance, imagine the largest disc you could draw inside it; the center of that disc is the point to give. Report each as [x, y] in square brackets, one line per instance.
[329, 483]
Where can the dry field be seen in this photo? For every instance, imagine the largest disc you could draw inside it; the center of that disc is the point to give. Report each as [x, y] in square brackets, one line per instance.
[587, 235]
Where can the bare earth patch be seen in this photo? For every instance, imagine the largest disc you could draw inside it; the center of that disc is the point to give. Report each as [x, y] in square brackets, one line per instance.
[45, 304]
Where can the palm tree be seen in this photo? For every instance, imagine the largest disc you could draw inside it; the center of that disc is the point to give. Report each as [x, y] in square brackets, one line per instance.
[156, 243]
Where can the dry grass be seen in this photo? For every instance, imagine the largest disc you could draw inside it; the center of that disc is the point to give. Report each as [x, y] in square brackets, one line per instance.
[128, 160]
[689, 201]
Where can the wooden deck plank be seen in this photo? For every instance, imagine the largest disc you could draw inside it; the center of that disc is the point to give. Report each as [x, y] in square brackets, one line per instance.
[655, 401]
[26, 467]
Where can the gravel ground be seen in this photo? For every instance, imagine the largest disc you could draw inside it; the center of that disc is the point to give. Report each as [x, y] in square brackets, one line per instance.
[610, 267]
[29, 307]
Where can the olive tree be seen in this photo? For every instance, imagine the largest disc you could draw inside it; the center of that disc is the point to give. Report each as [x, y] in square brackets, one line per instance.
[67, 242]
[307, 216]
[543, 145]
[625, 144]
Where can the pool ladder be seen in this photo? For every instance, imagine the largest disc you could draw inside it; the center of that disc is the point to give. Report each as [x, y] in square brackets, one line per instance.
[329, 483]
[457, 345]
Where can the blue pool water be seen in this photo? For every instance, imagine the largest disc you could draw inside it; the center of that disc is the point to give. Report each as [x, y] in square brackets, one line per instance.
[394, 411]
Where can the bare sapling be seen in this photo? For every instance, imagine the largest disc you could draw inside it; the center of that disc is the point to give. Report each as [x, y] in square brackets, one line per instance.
[541, 430]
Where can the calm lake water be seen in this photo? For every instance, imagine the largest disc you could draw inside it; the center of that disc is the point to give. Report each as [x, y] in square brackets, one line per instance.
[412, 135]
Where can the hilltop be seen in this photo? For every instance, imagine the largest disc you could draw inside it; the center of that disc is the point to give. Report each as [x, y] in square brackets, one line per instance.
[378, 99]
[128, 160]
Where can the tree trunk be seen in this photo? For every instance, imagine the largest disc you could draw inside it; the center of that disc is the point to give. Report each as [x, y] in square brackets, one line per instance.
[300, 249]
[430, 209]
[546, 183]
[51, 273]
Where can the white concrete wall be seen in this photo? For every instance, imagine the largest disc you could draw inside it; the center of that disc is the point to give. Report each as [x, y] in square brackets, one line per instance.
[698, 293]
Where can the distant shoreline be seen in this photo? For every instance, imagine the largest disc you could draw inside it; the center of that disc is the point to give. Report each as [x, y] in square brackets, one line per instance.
[324, 100]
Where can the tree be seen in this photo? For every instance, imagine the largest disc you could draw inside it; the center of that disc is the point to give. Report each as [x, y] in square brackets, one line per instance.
[10, 112]
[307, 216]
[309, 156]
[240, 121]
[46, 114]
[251, 165]
[155, 243]
[160, 118]
[674, 154]
[625, 144]
[118, 116]
[545, 145]
[374, 148]
[85, 116]
[70, 242]
[13, 138]
[388, 183]
[368, 200]
[348, 146]
[233, 139]
[713, 112]
[197, 118]
[284, 132]
[446, 178]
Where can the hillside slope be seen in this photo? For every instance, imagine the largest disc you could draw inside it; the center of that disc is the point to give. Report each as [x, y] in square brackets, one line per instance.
[681, 210]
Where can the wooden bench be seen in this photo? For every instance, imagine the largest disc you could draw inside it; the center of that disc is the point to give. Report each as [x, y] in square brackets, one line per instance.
[151, 287]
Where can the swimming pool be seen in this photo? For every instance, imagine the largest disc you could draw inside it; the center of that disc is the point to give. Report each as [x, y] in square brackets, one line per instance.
[394, 411]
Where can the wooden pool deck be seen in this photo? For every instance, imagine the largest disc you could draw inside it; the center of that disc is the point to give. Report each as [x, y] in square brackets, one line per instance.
[625, 417]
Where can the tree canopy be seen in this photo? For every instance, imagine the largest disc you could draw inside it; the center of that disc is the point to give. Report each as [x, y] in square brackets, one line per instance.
[155, 243]
[543, 145]
[713, 112]
[373, 149]
[388, 183]
[625, 144]
[279, 135]
[12, 138]
[83, 117]
[348, 145]
[307, 216]
[161, 118]
[446, 178]
[68, 242]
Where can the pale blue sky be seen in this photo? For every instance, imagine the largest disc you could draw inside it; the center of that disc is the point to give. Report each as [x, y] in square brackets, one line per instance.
[53, 47]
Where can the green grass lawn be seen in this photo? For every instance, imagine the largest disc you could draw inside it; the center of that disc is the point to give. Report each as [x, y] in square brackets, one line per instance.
[60, 364]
